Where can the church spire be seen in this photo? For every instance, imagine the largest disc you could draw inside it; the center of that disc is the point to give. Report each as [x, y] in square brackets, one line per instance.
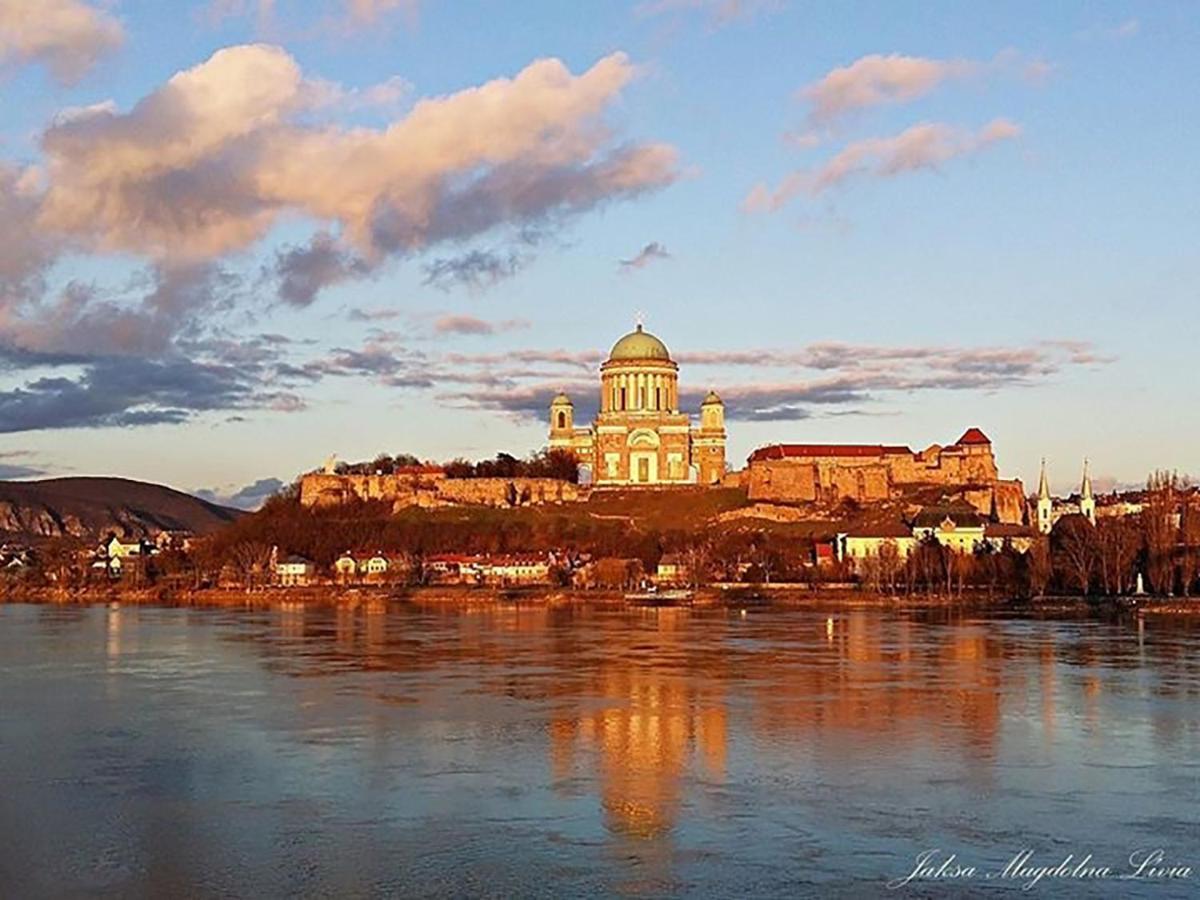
[1045, 504]
[1087, 502]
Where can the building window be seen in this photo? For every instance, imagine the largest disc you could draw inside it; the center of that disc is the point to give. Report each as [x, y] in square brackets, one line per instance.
[562, 420]
[622, 398]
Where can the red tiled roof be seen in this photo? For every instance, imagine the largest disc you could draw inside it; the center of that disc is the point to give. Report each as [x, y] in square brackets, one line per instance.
[784, 451]
[973, 436]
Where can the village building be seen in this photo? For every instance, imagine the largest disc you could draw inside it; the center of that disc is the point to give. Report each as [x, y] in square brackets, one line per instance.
[955, 526]
[295, 571]
[673, 568]
[115, 555]
[640, 436]
[453, 568]
[370, 567]
[515, 570]
[877, 540]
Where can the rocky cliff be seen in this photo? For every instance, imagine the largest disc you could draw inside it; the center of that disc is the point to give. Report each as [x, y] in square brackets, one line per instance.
[91, 507]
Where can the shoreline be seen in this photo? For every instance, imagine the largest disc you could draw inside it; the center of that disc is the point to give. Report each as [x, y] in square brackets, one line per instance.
[723, 597]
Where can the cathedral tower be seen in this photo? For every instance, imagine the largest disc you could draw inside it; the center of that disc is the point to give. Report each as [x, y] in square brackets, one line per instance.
[709, 440]
[562, 422]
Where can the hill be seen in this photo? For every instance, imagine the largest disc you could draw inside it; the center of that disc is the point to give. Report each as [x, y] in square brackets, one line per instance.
[89, 508]
[633, 523]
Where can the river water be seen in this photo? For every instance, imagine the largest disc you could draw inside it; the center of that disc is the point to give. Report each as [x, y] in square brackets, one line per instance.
[525, 752]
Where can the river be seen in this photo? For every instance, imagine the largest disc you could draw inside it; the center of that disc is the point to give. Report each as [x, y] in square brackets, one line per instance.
[525, 752]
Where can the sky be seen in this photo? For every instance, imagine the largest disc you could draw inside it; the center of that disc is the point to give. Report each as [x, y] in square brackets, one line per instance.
[239, 235]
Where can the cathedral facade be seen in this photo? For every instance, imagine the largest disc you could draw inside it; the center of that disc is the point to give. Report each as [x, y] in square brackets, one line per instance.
[640, 436]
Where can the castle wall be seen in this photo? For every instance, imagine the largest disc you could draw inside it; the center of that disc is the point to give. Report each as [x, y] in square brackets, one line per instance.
[320, 489]
[866, 476]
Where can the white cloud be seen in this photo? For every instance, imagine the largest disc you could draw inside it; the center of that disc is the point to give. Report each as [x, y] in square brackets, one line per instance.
[208, 162]
[875, 80]
[67, 36]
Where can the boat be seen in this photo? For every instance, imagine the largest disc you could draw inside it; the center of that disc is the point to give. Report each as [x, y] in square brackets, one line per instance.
[674, 597]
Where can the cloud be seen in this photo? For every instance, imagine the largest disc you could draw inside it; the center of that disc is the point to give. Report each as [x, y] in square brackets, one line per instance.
[348, 16]
[10, 469]
[25, 252]
[209, 162]
[1121, 31]
[652, 251]
[368, 12]
[875, 80]
[462, 324]
[878, 80]
[476, 269]
[249, 497]
[301, 272]
[719, 12]
[123, 392]
[521, 382]
[67, 36]
[924, 146]
[81, 321]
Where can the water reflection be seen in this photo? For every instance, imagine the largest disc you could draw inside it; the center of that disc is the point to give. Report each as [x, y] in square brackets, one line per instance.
[654, 751]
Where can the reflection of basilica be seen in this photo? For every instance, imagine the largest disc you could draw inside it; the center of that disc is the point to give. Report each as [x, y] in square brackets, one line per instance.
[640, 436]
[644, 739]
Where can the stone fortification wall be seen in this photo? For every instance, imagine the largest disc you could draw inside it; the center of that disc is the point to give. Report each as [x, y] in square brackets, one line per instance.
[434, 489]
[864, 474]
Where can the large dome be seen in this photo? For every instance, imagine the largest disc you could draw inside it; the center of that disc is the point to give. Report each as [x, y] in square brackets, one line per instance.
[639, 345]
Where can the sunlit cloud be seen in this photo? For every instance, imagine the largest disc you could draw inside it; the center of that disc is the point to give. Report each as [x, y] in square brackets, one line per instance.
[924, 146]
[68, 37]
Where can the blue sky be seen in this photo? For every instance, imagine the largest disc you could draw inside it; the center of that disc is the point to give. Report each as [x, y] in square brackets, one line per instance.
[877, 223]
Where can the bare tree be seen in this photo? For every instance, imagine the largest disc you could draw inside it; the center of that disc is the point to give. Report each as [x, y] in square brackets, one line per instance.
[1077, 550]
[252, 561]
[1118, 542]
[1040, 567]
[1160, 522]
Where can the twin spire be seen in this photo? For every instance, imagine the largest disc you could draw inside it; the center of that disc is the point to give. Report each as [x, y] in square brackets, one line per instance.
[1045, 504]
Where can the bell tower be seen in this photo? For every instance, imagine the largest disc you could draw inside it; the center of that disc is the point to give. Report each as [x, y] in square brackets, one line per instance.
[562, 422]
[709, 440]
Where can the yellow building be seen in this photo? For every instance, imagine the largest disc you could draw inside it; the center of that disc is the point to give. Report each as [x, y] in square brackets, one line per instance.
[640, 436]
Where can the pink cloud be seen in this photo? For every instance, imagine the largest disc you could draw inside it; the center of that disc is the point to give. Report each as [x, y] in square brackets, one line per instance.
[924, 146]
[68, 36]
[210, 161]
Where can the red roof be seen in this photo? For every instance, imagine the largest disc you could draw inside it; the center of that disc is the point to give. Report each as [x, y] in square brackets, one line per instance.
[973, 436]
[784, 451]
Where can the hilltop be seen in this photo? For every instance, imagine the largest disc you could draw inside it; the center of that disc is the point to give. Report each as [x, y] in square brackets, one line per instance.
[88, 508]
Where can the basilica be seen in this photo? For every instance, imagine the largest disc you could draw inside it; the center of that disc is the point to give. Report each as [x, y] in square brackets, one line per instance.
[640, 436]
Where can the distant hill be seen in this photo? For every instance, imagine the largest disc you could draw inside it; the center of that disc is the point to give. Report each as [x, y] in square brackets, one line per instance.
[91, 507]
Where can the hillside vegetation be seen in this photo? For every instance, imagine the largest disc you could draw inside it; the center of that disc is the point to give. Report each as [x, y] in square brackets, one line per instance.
[89, 508]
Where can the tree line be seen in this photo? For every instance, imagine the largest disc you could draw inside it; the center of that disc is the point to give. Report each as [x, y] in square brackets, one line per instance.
[557, 464]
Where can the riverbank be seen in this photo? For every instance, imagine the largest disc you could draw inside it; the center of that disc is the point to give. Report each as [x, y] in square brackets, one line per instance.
[723, 596]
